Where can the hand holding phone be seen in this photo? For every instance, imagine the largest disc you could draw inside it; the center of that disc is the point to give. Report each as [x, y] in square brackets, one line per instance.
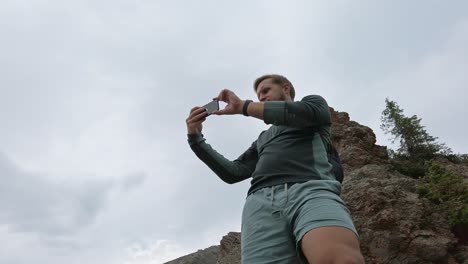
[212, 106]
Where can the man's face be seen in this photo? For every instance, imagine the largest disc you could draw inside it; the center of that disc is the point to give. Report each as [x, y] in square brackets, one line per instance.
[269, 91]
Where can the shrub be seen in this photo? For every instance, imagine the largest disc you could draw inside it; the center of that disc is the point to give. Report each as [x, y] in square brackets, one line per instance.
[447, 190]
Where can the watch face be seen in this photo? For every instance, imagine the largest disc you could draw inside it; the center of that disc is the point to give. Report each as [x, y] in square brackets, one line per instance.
[212, 106]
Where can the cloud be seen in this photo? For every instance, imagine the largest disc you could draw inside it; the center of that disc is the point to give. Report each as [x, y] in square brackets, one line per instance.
[31, 203]
[59, 217]
[157, 252]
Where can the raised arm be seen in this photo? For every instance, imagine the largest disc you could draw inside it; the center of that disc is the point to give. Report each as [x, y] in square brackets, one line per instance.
[312, 110]
[228, 171]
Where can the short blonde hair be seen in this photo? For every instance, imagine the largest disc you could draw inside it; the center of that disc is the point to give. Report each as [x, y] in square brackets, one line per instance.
[277, 79]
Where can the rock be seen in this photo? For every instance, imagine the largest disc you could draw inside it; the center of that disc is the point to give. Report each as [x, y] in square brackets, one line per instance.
[355, 142]
[230, 249]
[429, 246]
[394, 224]
[204, 256]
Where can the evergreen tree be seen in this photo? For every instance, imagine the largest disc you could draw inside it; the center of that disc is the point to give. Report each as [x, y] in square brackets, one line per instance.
[415, 142]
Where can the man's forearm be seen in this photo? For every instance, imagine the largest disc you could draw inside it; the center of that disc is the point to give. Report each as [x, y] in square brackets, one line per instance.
[228, 171]
[273, 112]
[311, 111]
[255, 109]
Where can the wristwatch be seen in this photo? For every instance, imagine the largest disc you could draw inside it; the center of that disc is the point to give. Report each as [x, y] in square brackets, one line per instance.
[246, 105]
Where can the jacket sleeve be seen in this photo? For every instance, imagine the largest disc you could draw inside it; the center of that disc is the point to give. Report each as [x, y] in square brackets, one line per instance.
[312, 110]
[228, 171]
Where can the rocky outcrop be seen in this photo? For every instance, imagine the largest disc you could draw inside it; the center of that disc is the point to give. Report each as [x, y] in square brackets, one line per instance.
[228, 252]
[355, 143]
[206, 256]
[230, 249]
[395, 225]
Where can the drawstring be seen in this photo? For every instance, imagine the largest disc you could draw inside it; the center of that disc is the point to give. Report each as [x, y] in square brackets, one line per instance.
[272, 195]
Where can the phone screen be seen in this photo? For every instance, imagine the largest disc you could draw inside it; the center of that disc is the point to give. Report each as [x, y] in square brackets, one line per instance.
[212, 106]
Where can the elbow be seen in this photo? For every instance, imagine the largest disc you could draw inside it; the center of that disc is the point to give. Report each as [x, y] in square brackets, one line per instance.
[319, 117]
[233, 175]
[326, 118]
[229, 181]
[305, 115]
[228, 178]
[232, 178]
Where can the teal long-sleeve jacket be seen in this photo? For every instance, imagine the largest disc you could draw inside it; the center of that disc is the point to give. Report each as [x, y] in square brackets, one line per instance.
[292, 150]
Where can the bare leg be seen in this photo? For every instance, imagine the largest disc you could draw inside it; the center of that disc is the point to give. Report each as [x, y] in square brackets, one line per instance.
[331, 245]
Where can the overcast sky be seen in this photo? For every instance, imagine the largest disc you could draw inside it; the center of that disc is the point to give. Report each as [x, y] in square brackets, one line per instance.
[94, 162]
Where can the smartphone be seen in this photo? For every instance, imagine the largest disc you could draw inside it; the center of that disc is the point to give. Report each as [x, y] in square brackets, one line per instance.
[211, 107]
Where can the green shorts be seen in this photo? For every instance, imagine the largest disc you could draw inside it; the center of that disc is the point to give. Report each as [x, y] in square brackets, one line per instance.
[275, 219]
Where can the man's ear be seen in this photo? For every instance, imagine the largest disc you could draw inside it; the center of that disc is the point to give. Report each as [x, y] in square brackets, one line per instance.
[287, 88]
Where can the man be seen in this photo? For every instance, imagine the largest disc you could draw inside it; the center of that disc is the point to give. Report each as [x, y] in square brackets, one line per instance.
[293, 212]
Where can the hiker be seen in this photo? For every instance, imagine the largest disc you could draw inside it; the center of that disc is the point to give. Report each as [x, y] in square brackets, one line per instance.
[293, 211]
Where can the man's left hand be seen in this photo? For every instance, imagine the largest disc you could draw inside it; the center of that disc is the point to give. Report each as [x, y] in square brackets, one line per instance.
[234, 103]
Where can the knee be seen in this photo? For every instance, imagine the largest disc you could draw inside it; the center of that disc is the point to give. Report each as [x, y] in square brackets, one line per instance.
[349, 259]
[339, 257]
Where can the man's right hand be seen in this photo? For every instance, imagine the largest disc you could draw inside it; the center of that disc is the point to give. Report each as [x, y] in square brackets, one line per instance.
[196, 118]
